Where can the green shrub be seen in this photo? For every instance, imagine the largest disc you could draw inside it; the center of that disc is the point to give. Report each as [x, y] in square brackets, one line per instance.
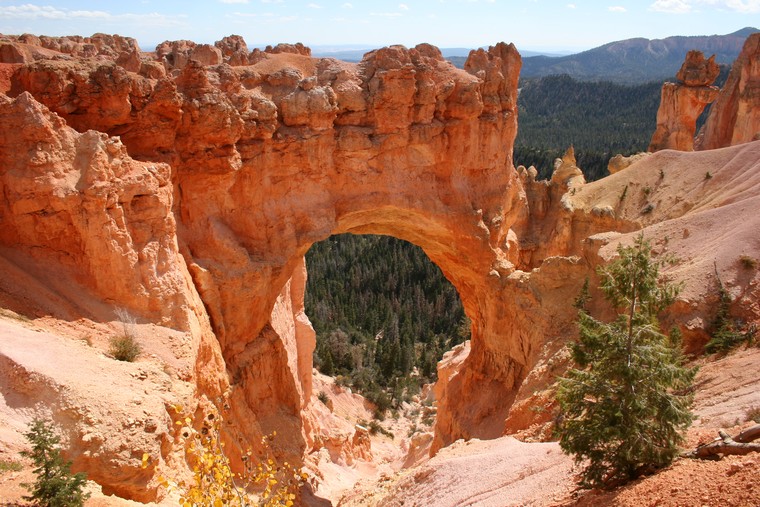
[124, 348]
[9, 465]
[727, 332]
[375, 428]
[752, 414]
[748, 262]
[322, 396]
[55, 485]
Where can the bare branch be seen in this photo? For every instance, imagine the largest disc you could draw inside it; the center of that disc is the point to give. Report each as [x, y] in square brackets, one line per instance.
[725, 445]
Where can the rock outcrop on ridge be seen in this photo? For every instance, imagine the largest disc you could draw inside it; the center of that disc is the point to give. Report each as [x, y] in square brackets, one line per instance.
[187, 189]
[733, 118]
[681, 103]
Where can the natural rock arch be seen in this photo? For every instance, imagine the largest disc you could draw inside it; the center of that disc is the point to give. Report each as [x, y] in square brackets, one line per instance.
[285, 150]
[425, 158]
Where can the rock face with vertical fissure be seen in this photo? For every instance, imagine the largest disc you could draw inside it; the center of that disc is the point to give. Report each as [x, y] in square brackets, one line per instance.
[681, 103]
[733, 119]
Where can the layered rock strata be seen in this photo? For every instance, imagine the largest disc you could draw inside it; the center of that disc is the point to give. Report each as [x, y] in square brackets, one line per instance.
[93, 229]
[267, 159]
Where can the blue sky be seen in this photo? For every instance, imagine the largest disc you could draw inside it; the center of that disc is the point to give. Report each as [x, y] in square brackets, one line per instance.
[530, 24]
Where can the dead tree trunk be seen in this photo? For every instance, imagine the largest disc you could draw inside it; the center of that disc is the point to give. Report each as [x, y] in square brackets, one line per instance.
[739, 445]
[748, 435]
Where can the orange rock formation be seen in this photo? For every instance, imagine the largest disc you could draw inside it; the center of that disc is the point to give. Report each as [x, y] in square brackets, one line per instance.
[733, 119]
[682, 103]
[265, 160]
[191, 193]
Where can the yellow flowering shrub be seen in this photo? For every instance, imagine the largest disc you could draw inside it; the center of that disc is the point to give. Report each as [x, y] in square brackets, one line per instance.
[264, 484]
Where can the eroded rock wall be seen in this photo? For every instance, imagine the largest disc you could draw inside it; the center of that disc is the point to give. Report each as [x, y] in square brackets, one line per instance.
[681, 103]
[734, 117]
[93, 229]
[78, 202]
[233, 170]
[268, 158]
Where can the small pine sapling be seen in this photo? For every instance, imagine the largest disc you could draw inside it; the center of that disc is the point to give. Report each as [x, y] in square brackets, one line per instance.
[727, 332]
[55, 486]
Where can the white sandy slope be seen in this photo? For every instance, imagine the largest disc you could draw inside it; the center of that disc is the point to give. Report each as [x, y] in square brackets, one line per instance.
[700, 208]
[114, 411]
[493, 473]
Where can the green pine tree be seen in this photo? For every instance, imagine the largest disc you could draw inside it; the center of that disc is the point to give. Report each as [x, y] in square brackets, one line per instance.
[55, 485]
[328, 365]
[623, 409]
[727, 332]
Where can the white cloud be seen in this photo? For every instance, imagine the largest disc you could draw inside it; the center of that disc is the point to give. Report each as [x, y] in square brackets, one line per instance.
[29, 11]
[403, 7]
[250, 15]
[685, 6]
[347, 5]
[671, 6]
[617, 8]
[744, 6]
[234, 1]
[47, 12]
[386, 14]
[314, 6]
[571, 6]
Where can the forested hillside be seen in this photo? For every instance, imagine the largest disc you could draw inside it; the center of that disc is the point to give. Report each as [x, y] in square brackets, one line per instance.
[599, 119]
[383, 312]
[635, 61]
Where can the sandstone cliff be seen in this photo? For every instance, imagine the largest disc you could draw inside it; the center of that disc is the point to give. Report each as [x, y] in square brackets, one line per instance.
[89, 230]
[189, 187]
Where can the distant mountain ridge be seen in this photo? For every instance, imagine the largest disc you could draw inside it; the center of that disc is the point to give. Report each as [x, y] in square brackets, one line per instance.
[636, 60]
[629, 61]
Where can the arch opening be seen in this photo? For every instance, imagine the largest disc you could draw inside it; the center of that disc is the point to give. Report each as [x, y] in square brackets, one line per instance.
[384, 314]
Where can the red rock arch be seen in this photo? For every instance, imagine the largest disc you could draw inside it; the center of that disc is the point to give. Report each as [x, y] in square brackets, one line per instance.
[269, 156]
[414, 148]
